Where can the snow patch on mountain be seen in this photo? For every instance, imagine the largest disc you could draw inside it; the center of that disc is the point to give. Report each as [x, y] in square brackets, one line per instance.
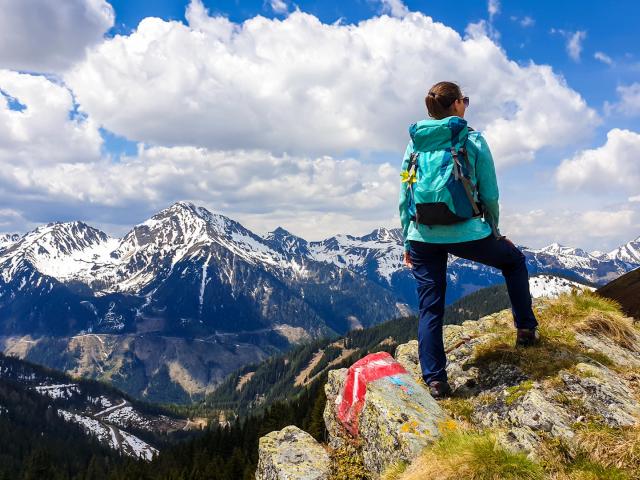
[126, 417]
[8, 239]
[111, 436]
[63, 250]
[346, 251]
[552, 286]
[629, 252]
[133, 446]
[58, 391]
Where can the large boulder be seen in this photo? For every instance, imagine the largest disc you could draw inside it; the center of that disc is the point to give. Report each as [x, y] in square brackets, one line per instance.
[397, 420]
[291, 454]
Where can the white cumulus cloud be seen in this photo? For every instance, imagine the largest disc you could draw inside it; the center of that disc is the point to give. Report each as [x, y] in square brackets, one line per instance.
[595, 228]
[628, 103]
[307, 195]
[48, 35]
[395, 8]
[608, 168]
[574, 41]
[574, 44]
[42, 131]
[298, 85]
[279, 6]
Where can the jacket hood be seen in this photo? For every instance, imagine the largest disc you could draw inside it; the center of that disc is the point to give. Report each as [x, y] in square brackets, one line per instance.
[437, 134]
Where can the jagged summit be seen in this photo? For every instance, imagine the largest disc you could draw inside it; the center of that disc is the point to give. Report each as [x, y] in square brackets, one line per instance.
[558, 249]
[629, 252]
[283, 234]
[62, 231]
[383, 234]
[59, 249]
[279, 231]
[282, 239]
[181, 214]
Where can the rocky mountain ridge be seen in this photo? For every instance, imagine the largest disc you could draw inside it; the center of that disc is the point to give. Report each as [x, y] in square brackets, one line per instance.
[185, 271]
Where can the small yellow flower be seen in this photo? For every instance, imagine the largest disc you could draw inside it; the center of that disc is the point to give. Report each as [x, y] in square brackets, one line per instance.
[410, 178]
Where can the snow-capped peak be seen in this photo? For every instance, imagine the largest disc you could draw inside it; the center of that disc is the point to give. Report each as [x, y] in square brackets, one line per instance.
[629, 252]
[278, 232]
[284, 240]
[182, 215]
[382, 246]
[558, 249]
[60, 250]
[383, 234]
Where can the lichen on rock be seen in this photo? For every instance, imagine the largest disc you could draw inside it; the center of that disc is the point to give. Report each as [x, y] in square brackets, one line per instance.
[291, 454]
[398, 420]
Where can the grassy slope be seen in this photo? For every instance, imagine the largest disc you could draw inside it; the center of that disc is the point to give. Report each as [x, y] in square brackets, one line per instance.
[626, 291]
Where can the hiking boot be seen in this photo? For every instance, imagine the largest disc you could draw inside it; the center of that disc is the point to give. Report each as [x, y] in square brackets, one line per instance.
[439, 389]
[527, 337]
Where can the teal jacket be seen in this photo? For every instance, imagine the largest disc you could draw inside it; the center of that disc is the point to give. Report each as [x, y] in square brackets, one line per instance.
[484, 176]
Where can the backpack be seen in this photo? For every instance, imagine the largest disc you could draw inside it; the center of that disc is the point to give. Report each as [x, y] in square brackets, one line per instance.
[440, 189]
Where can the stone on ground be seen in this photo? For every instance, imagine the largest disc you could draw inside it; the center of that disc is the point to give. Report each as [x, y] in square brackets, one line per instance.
[291, 454]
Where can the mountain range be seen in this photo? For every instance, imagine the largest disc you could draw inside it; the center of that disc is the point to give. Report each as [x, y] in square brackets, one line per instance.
[187, 296]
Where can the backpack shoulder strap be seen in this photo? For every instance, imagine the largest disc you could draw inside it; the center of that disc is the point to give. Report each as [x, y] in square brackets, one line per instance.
[466, 182]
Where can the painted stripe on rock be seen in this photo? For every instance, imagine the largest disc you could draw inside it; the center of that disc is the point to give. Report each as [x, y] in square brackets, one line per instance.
[368, 369]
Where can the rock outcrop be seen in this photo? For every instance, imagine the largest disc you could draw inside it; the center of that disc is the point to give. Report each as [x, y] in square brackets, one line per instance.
[530, 395]
[579, 388]
[398, 420]
[291, 454]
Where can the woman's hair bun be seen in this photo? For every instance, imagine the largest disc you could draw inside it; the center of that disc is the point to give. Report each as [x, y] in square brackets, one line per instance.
[440, 98]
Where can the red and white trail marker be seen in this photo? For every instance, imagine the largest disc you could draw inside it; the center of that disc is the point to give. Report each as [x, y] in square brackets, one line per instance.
[368, 369]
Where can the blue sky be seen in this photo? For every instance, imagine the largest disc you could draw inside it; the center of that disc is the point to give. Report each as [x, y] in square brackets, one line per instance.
[113, 115]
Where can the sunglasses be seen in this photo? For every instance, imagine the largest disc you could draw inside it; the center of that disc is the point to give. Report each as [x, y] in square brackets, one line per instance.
[465, 100]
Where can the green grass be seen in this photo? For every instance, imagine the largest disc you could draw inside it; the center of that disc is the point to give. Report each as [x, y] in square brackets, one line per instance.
[472, 455]
[518, 391]
[558, 349]
[587, 470]
[395, 471]
[459, 408]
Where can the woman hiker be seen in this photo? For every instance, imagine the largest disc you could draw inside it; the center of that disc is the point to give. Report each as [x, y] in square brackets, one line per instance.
[444, 150]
